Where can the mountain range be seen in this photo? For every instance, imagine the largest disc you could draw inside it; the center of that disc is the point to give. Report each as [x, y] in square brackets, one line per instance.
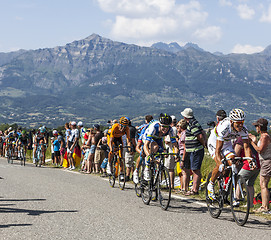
[96, 79]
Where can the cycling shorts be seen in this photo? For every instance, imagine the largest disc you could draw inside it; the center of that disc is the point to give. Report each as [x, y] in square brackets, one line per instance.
[226, 151]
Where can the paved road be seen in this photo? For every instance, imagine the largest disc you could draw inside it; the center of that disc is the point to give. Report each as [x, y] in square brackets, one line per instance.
[50, 203]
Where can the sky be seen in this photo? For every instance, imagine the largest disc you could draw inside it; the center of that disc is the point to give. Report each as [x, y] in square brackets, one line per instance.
[227, 26]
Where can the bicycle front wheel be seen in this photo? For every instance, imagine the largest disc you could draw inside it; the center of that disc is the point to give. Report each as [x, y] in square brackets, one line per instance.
[140, 179]
[164, 188]
[214, 206]
[112, 177]
[240, 202]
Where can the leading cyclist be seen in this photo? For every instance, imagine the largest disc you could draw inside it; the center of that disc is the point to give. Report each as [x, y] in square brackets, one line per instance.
[115, 138]
[154, 139]
[220, 146]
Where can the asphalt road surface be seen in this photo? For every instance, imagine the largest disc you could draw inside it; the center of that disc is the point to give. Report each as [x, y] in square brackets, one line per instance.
[51, 203]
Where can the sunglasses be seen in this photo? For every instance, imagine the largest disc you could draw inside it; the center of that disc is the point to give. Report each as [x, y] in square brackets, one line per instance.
[239, 122]
[164, 126]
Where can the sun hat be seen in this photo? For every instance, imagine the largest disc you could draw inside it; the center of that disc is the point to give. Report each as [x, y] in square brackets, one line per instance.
[80, 124]
[187, 113]
[260, 122]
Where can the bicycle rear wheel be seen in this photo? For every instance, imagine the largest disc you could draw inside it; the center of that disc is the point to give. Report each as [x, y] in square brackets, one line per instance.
[240, 203]
[112, 177]
[214, 206]
[164, 188]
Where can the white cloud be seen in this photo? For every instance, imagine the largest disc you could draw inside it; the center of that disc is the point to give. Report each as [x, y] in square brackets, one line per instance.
[143, 20]
[142, 27]
[137, 7]
[212, 33]
[238, 48]
[245, 12]
[225, 3]
[266, 17]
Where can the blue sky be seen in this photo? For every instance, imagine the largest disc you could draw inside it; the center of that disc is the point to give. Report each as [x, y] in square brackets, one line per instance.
[240, 26]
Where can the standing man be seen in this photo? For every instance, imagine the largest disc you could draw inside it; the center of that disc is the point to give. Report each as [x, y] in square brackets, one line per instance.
[194, 146]
[129, 155]
[72, 142]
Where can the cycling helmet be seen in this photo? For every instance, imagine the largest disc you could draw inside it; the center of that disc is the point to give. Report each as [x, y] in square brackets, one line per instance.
[124, 121]
[237, 114]
[165, 119]
[42, 130]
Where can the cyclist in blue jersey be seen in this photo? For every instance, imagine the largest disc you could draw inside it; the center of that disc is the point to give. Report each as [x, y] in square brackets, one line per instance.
[153, 138]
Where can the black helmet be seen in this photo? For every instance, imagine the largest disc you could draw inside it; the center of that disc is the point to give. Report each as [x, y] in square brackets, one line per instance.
[165, 119]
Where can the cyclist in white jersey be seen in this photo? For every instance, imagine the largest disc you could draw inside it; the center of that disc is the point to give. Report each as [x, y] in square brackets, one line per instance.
[220, 146]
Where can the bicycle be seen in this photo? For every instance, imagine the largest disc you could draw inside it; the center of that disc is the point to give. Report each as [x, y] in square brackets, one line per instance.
[21, 155]
[10, 153]
[159, 183]
[236, 188]
[118, 167]
[39, 155]
[140, 178]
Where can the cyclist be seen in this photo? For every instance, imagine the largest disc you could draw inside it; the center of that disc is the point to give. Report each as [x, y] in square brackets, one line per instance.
[11, 140]
[22, 141]
[219, 143]
[115, 138]
[153, 140]
[139, 147]
[40, 139]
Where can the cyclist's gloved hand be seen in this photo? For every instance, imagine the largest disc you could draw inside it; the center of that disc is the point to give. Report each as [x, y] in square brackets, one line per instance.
[221, 167]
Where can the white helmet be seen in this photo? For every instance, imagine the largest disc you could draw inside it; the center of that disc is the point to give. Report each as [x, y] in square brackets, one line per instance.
[237, 114]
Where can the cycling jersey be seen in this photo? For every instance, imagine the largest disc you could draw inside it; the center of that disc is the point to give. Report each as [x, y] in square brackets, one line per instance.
[223, 132]
[152, 133]
[23, 139]
[116, 133]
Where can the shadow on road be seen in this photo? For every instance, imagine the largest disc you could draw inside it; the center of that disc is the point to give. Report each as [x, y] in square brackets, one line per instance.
[22, 200]
[33, 212]
[14, 225]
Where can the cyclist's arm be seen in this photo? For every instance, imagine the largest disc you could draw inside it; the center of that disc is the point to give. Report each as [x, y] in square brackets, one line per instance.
[111, 144]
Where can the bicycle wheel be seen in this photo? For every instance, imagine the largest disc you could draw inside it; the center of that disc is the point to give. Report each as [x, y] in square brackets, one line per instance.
[121, 175]
[239, 199]
[214, 206]
[164, 188]
[112, 176]
[140, 178]
[8, 155]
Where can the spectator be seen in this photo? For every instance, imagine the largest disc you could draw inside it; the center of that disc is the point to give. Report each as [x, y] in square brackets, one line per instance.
[249, 174]
[62, 148]
[52, 150]
[72, 143]
[184, 158]
[90, 142]
[56, 144]
[129, 155]
[95, 153]
[194, 146]
[85, 149]
[263, 147]
[103, 145]
[170, 160]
